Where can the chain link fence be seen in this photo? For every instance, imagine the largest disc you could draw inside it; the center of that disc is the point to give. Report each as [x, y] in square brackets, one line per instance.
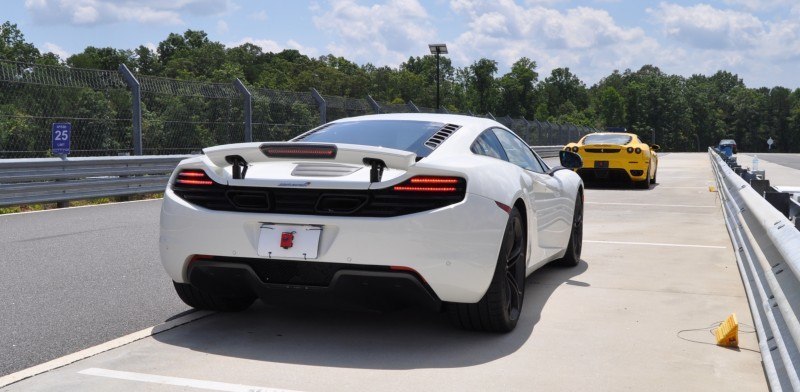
[282, 115]
[33, 97]
[180, 116]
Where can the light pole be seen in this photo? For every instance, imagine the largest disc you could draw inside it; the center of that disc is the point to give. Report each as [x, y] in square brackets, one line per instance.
[437, 49]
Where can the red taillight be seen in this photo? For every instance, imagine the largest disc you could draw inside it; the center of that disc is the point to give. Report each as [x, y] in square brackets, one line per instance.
[400, 268]
[430, 184]
[299, 150]
[194, 177]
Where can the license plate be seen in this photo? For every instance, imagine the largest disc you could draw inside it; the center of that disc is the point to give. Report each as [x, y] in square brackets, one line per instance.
[289, 241]
[601, 164]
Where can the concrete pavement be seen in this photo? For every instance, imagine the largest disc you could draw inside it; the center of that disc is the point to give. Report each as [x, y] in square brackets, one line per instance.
[657, 271]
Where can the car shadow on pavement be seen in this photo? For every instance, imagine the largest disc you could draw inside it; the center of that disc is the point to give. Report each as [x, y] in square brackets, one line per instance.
[617, 186]
[405, 339]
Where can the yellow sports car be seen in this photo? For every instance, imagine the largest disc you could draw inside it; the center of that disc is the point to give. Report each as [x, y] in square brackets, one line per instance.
[617, 156]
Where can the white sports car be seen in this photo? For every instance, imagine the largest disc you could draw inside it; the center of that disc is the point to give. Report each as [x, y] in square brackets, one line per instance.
[445, 210]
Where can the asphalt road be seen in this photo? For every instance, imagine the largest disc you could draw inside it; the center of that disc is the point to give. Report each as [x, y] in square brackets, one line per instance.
[77, 277]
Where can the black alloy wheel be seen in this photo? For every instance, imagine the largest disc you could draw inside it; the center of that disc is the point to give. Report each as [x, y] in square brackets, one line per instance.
[573, 254]
[501, 306]
[515, 270]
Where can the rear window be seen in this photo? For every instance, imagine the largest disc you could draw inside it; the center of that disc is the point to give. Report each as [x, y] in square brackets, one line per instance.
[607, 139]
[403, 135]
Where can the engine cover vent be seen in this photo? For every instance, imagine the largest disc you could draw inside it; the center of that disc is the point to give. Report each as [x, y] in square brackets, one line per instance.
[309, 169]
[441, 135]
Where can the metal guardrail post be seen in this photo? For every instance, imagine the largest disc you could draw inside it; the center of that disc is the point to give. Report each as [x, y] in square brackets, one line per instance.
[248, 109]
[323, 106]
[374, 104]
[136, 107]
[412, 107]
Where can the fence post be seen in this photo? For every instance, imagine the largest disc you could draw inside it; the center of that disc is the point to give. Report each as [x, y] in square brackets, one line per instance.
[528, 138]
[136, 107]
[412, 107]
[374, 104]
[323, 106]
[248, 109]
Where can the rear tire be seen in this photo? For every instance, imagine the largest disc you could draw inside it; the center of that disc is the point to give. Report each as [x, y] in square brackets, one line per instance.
[646, 183]
[573, 254]
[501, 306]
[197, 299]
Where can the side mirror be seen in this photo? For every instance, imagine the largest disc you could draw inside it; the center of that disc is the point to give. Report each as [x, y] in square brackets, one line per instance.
[655, 147]
[570, 160]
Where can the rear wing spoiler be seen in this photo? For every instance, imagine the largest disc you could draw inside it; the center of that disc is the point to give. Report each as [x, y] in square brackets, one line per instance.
[233, 154]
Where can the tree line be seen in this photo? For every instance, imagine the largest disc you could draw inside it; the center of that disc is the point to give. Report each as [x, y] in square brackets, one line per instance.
[684, 114]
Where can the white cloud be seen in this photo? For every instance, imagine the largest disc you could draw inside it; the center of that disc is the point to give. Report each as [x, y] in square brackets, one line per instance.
[95, 12]
[705, 27]
[380, 34]
[760, 5]
[306, 50]
[762, 51]
[51, 47]
[587, 40]
[268, 45]
[222, 26]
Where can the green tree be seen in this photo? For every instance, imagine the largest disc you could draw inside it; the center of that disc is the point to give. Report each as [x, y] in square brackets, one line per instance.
[13, 46]
[611, 107]
[560, 87]
[483, 82]
[101, 58]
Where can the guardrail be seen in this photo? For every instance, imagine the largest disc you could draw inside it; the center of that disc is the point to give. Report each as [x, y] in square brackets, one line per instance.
[547, 151]
[768, 255]
[49, 180]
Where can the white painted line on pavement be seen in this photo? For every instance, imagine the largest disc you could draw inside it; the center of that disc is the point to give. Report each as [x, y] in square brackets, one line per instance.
[92, 351]
[177, 381]
[682, 187]
[649, 205]
[657, 244]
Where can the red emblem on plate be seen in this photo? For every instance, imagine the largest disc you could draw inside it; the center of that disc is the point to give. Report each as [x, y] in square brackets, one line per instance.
[287, 239]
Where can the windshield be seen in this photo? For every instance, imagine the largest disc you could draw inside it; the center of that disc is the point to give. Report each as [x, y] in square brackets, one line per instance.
[606, 139]
[406, 135]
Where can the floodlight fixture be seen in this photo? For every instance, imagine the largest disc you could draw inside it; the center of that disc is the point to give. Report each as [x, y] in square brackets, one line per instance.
[437, 49]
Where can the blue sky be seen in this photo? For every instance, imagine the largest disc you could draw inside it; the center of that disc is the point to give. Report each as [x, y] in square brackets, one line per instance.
[757, 39]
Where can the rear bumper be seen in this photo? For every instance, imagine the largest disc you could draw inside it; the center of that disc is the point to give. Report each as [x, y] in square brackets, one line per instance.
[454, 249]
[619, 168]
[290, 282]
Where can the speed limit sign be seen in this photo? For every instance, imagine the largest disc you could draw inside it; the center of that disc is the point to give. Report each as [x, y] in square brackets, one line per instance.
[61, 137]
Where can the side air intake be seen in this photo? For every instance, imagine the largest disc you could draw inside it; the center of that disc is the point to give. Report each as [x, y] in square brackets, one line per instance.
[441, 135]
